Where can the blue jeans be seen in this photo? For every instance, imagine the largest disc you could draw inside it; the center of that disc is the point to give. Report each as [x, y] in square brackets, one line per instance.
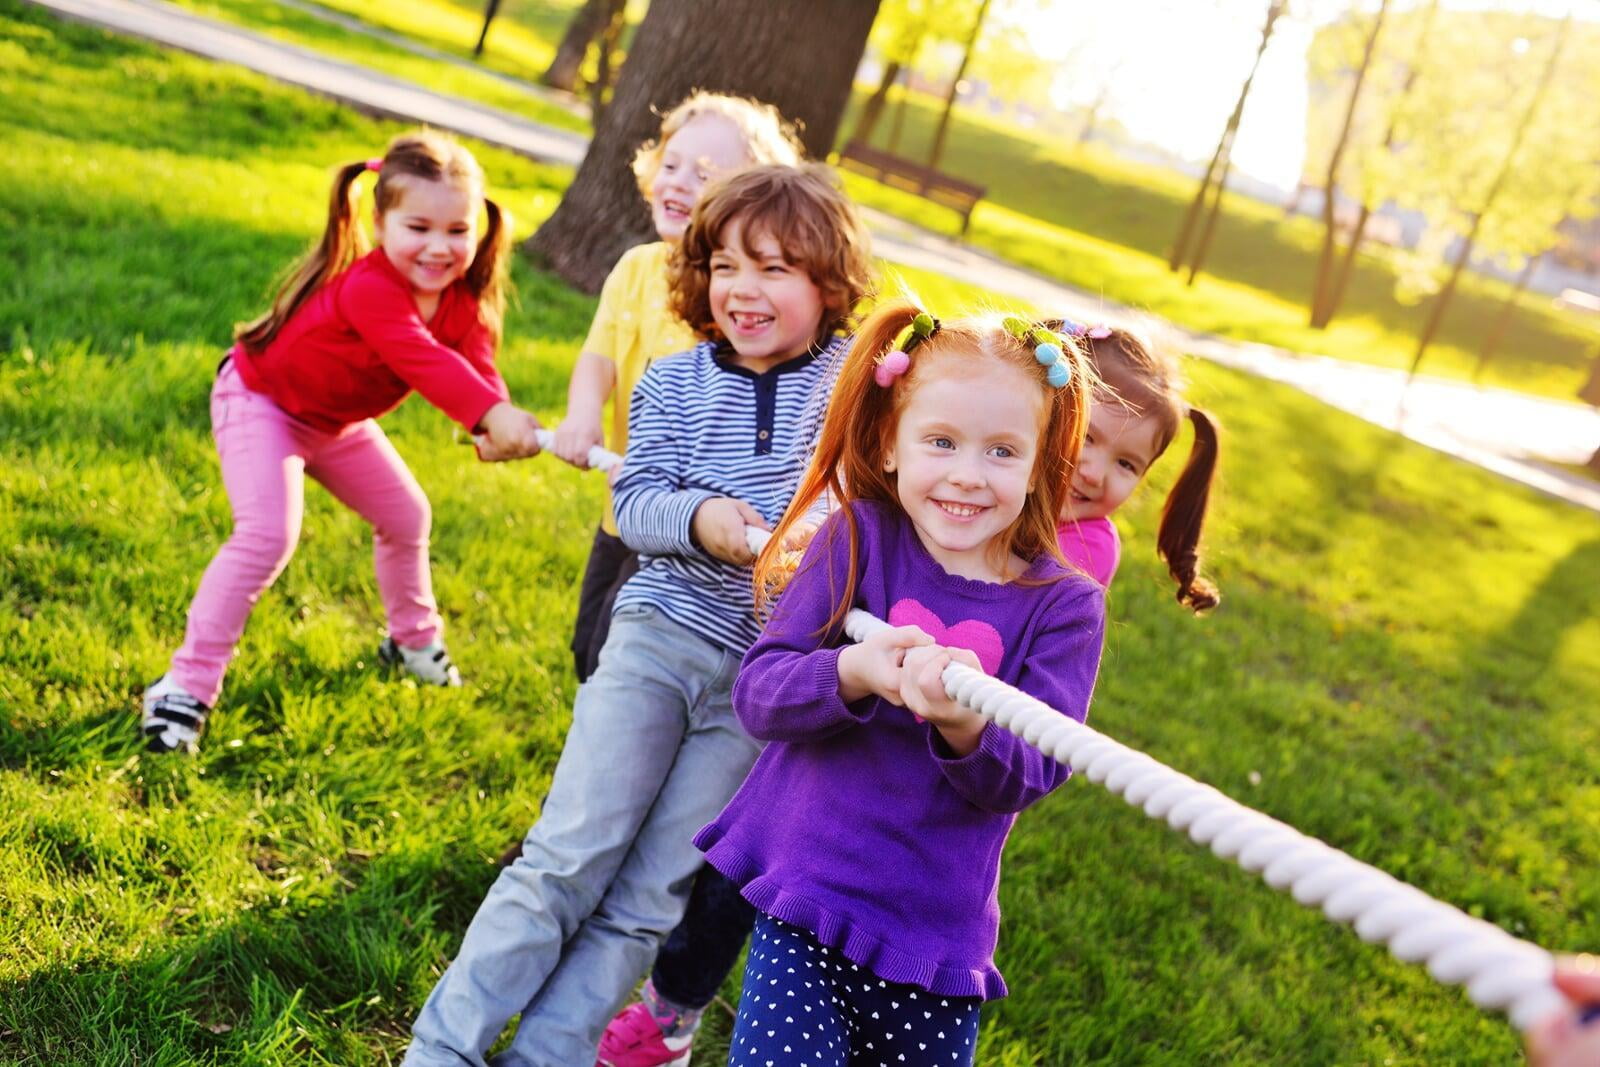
[654, 753]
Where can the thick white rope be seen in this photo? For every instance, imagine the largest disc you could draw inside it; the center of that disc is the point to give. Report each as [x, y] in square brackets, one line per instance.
[1499, 972]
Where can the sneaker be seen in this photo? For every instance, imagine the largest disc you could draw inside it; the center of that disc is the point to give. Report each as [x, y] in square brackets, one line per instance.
[173, 718]
[634, 1039]
[431, 664]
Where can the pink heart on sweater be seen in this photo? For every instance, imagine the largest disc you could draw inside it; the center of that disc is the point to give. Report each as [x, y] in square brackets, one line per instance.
[974, 635]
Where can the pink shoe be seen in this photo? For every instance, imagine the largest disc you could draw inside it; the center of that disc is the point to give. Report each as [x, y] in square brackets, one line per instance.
[634, 1039]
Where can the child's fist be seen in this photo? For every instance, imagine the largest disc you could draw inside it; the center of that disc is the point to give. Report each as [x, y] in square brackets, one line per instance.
[719, 528]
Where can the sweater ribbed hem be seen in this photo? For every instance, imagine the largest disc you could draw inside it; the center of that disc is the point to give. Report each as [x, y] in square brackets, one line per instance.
[860, 946]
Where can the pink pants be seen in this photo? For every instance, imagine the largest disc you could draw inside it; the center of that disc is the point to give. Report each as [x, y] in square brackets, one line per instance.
[266, 455]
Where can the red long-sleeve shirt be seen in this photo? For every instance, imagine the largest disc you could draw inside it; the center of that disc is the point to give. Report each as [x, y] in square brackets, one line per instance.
[358, 347]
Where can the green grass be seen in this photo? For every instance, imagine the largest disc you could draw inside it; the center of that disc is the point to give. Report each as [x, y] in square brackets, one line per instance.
[1077, 214]
[1408, 658]
[526, 60]
[1086, 217]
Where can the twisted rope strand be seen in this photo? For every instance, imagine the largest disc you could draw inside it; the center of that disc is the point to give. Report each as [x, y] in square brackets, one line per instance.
[1500, 972]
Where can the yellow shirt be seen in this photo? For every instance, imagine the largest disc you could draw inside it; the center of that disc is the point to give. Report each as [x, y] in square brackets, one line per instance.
[633, 326]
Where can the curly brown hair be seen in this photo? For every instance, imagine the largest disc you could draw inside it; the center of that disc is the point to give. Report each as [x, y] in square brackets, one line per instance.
[806, 212]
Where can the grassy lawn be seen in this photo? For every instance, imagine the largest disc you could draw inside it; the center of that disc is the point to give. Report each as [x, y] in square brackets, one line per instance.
[1406, 662]
[1080, 215]
[520, 53]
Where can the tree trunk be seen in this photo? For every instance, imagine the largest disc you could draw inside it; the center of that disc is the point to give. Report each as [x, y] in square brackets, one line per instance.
[1204, 247]
[489, 12]
[1325, 313]
[1180, 247]
[872, 110]
[605, 71]
[1443, 300]
[1502, 322]
[937, 151]
[585, 26]
[800, 56]
[1322, 284]
[1322, 316]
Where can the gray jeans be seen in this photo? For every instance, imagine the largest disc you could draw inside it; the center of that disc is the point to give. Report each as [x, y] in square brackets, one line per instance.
[654, 753]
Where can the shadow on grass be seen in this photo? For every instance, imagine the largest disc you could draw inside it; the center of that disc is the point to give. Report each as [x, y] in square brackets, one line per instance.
[319, 982]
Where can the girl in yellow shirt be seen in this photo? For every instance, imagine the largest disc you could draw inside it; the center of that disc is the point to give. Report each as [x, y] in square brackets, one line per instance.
[706, 136]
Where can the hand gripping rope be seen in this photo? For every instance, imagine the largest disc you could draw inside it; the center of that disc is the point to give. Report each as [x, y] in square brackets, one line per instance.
[1499, 972]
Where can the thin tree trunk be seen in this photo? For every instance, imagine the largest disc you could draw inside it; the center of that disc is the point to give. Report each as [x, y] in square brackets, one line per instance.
[1322, 284]
[1291, 206]
[872, 110]
[605, 72]
[904, 100]
[587, 23]
[1204, 247]
[1436, 316]
[1502, 322]
[800, 57]
[489, 12]
[1323, 315]
[936, 153]
[1180, 247]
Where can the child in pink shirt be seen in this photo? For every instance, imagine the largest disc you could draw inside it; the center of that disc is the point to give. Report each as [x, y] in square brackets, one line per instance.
[1135, 415]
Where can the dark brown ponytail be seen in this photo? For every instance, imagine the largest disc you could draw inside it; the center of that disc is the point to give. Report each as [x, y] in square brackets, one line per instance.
[487, 277]
[343, 242]
[1185, 514]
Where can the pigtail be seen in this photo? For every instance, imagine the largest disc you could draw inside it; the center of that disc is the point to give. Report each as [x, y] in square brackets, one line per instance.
[487, 277]
[849, 454]
[1185, 514]
[343, 242]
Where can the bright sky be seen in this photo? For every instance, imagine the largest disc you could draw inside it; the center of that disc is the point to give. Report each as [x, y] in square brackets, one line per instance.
[1179, 65]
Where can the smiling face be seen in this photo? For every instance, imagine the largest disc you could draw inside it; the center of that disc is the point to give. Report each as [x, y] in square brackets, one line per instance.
[430, 233]
[768, 308]
[705, 147]
[1117, 452]
[963, 456]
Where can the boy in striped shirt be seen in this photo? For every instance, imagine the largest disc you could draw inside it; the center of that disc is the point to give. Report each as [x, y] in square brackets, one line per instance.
[772, 265]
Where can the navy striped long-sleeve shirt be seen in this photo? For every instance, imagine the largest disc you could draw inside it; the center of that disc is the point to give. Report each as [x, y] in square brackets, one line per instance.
[700, 427]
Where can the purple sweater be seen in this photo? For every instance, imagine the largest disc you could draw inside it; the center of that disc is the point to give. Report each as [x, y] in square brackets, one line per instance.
[857, 822]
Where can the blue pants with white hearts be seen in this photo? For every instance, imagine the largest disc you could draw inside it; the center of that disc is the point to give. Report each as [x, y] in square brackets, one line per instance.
[804, 1004]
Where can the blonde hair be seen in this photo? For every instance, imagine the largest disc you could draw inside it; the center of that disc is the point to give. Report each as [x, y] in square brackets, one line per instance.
[768, 137]
[421, 154]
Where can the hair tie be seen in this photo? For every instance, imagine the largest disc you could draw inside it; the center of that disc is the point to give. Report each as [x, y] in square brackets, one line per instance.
[375, 163]
[1098, 332]
[893, 364]
[1046, 348]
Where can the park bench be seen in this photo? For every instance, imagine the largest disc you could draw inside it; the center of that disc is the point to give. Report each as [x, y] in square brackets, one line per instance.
[899, 173]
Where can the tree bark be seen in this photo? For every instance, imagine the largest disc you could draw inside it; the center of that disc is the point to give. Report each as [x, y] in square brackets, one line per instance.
[1180, 247]
[1323, 283]
[1502, 321]
[799, 55]
[1323, 315]
[1204, 247]
[489, 12]
[1436, 315]
[872, 110]
[936, 153]
[605, 71]
[587, 24]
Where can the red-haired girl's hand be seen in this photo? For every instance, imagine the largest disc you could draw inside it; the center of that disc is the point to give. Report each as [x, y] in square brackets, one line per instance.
[1564, 1040]
[872, 668]
[922, 686]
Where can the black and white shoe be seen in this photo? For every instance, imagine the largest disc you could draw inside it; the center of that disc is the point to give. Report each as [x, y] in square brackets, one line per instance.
[430, 664]
[173, 718]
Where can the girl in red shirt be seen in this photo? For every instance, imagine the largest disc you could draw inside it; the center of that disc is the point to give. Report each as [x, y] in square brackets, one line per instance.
[350, 335]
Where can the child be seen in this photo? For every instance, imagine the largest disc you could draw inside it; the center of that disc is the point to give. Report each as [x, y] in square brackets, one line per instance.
[869, 833]
[706, 135]
[771, 266]
[1135, 415]
[1571, 1038]
[349, 336]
